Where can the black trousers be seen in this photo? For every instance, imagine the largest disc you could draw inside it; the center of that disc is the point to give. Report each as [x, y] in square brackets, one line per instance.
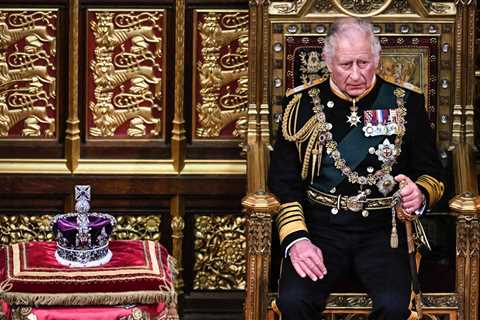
[383, 271]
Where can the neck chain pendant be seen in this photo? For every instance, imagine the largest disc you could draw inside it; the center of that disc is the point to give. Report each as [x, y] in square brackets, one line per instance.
[353, 119]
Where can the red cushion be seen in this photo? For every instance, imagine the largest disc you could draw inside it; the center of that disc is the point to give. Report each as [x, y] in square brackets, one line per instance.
[139, 272]
[158, 312]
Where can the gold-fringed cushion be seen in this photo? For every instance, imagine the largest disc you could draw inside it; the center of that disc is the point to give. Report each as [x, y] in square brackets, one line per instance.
[140, 272]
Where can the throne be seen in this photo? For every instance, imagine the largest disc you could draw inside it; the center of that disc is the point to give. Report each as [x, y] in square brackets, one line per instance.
[427, 46]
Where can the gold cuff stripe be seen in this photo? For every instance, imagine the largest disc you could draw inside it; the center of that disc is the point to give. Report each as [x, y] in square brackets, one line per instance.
[286, 221]
[291, 214]
[290, 219]
[290, 205]
[288, 212]
[434, 188]
[290, 228]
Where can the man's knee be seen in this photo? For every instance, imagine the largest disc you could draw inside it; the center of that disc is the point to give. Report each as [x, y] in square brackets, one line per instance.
[293, 305]
[391, 307]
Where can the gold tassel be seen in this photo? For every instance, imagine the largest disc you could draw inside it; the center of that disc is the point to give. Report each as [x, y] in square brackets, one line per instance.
[319, 159]
[394, 234]
[314, 163]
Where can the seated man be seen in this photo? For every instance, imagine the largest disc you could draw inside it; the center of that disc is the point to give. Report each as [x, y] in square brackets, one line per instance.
[344, 146]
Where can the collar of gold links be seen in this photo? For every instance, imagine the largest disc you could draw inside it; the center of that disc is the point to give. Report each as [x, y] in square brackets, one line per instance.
[372, 178]
[317, 131]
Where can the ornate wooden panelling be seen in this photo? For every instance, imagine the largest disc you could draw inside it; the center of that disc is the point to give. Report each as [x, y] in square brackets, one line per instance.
[126, 73]
[220, 73]
[28, 64]
[16, 228]
[219, 252]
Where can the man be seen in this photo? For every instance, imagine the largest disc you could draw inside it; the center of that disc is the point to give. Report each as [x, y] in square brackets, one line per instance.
[345, 145]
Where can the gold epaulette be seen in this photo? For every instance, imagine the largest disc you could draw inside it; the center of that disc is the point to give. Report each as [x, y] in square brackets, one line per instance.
[405, 85]
[304, 86]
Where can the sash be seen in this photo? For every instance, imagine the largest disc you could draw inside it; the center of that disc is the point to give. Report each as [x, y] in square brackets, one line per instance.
[354, 146]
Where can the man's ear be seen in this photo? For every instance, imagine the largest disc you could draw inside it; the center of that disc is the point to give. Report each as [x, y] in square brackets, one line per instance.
[327, 62]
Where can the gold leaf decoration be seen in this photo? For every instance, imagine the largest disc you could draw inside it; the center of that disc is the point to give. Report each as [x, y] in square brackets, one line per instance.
[137, 227]
[17, 228]
[222, 78]
[20, 228]
[220, 248]
[127, 73]
[28, 73]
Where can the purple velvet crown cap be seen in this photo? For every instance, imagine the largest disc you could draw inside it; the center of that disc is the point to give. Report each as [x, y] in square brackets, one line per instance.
[82, 237]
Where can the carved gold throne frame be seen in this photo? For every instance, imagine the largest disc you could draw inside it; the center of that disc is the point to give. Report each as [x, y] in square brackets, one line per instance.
[426, 44]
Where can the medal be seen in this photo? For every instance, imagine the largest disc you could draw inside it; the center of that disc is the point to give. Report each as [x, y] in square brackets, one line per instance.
[386, 151]
[353, 119]
[386, 184]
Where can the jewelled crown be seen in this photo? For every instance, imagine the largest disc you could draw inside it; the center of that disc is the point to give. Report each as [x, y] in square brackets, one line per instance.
[82, 237]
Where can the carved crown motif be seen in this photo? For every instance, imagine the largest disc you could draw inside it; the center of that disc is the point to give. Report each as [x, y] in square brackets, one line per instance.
[82, 237]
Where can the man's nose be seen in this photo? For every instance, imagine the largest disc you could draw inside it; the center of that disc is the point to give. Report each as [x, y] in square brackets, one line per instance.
[355, 74]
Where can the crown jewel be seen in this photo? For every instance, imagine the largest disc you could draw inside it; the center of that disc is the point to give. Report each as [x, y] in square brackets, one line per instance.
[82, 237]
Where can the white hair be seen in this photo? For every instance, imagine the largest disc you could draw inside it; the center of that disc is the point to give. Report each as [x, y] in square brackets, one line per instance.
[343, 28]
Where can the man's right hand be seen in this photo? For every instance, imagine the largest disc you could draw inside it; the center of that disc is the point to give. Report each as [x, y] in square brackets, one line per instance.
[307, 259]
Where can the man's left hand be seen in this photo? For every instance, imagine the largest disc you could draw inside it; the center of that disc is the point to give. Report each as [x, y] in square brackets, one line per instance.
[411, 196]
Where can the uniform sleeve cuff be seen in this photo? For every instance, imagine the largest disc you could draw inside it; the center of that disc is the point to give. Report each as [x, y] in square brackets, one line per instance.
[432, 189]
[290, 219]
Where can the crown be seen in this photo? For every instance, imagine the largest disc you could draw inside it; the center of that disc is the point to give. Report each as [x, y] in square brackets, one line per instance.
[82, 237]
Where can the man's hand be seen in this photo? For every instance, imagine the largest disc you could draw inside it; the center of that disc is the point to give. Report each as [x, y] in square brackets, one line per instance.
[307, 259]
[411, 196]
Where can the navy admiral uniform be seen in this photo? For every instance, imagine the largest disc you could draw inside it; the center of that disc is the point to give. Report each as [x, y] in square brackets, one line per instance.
[332, 170]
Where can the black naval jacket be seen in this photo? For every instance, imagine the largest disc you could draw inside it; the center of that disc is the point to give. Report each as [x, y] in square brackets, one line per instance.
[418, 158]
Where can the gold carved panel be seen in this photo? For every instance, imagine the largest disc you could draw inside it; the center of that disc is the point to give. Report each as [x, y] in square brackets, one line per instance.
[220, 247]
[17, 228]
[137, 227]
[28, 63]
[220, 84]
[126, 71]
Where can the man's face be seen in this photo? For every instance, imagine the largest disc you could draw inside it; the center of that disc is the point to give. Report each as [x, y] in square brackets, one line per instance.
[353, 65]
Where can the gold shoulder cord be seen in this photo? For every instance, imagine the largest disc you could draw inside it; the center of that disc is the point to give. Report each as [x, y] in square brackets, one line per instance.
[310, 131]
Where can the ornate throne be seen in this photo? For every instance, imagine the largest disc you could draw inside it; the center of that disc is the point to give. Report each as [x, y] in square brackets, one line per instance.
[428, 46]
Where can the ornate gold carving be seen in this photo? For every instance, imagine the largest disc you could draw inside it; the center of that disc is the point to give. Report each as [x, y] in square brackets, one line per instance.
[323, 6]
[137, 227]
[259, 226]
[19, 228]
[312, 66]
[287, 7]
[128, 84]
[399, 7]
[178, 130]
[400, 68]
[178, 224]
[219, 252]
[177, 210]
[223, 73]
[350, 301]
[27, 86]
[259, 209]
[72, 132]
[440, 7]
[362, 8]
